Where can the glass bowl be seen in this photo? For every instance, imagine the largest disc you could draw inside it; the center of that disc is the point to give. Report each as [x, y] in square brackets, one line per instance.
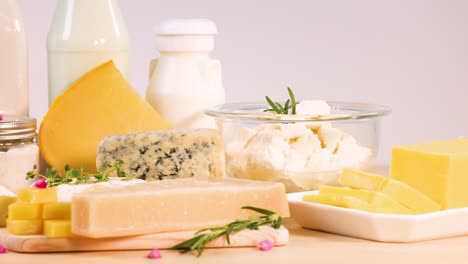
[301, 151]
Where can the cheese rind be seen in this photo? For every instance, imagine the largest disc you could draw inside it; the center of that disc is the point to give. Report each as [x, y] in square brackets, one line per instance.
[100, 104]
[171, 205]
[165, 154]
[438, 169]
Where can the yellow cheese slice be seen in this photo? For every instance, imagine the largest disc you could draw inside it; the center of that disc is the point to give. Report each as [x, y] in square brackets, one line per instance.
[100, 104]
[379, 202]
[399, 191]
[339, 200]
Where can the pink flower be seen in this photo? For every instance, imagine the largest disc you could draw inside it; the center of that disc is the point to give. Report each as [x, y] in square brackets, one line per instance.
[41, 183]
[2, 250]
[1, 117]
[154, 254]
[265, 245]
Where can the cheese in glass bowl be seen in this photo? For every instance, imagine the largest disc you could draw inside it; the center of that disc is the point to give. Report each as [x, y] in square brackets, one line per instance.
[302, 150]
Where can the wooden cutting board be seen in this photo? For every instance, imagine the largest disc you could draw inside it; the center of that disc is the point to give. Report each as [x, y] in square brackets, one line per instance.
[40, 243]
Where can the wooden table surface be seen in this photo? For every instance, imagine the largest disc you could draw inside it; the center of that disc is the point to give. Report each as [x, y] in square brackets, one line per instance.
[305, 246]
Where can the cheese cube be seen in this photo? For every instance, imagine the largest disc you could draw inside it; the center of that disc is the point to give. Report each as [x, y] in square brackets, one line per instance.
[438, 169]
[56, 211]
[165, 154]
[379, 202]
[339, 200]
[36, 195]
[24, 211]
[57, 228]
[399, 191]
[5, 201]
[24, 227]
[171, 205]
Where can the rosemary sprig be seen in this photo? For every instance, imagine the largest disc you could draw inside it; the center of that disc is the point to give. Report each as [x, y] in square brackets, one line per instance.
[205, 236]
[79, 176]
[278, 108]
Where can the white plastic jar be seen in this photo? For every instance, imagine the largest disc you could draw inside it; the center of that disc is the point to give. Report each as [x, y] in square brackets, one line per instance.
[19, 152]
[185, 80]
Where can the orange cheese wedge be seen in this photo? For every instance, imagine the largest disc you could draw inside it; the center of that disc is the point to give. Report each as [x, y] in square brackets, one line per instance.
[100, 104]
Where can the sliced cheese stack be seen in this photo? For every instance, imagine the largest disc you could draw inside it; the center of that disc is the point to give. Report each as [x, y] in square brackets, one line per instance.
[100, 104]
[171, 205]
[38, 212]
[168, 154]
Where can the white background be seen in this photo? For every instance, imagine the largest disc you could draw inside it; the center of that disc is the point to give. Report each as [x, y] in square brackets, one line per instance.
[409, 54]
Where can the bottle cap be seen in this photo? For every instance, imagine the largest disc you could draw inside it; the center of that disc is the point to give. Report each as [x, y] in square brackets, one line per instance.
[185, 35]
[14, 128]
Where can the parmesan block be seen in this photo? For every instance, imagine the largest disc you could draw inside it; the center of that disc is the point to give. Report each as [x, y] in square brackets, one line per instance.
[167, 154]
[171, 205]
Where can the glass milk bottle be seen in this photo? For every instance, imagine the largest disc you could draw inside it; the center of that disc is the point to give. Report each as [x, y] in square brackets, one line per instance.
[184, 80]
[83, 35]
[14, 92]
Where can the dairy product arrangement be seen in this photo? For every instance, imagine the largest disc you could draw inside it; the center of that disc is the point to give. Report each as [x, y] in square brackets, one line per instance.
[180, 169]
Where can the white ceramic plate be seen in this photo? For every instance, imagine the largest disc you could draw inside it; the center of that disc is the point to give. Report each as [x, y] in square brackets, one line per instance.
[378, 227]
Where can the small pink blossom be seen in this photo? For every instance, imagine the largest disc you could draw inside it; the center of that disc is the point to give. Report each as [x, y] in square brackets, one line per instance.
[1, 117]
[265, 245]
[41, 183]
[154, 254]
[2, 250]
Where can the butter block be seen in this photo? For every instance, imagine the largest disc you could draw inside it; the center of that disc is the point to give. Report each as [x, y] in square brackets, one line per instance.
[339, 200]
[24, 227]
[37, 195]
[56, 211]
[57, 228]
[379, 202]
[438, 169]
[5, 201]
[410, 197]
[168, 154]
[171, 205]
[24, 211]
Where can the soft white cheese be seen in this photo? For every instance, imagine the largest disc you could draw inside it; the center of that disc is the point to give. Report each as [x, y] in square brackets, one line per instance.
[5, 192]
[302, 157]
[65, 192]
[313, 108]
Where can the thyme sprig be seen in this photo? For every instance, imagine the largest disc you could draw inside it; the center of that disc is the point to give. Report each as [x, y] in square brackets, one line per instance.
[79, 176]
[205, 236]
[278, 108]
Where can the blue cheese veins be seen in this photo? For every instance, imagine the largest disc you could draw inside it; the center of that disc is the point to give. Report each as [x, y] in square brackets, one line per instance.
[165, 154]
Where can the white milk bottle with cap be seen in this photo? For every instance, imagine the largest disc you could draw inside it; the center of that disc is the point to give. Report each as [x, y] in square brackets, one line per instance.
[184, 80]
[14, 92]
[83, 35]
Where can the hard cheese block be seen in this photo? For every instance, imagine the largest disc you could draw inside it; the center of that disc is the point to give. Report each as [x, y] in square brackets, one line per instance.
[171, 205]
[5, 201]
[100, 104]
[399, 191]
[438, 169]
[165, 154]
[378, 202]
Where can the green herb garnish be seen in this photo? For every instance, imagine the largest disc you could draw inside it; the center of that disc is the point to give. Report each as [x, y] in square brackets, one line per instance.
[205, 236]
[278, 108]
[79, 176]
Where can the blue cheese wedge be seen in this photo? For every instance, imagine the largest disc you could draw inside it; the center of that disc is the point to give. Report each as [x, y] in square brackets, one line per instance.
[168, 154]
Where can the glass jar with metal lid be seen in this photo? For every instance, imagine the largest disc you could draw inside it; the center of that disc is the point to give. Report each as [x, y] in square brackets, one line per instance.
[19, 152]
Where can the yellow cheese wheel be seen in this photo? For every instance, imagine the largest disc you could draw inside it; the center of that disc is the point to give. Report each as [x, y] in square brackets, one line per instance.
[100, 104]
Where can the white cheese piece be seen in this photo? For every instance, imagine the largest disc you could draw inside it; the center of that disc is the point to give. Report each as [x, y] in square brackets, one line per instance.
[330, 137]
[165, 154]
[5, 192]
[313, 108]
